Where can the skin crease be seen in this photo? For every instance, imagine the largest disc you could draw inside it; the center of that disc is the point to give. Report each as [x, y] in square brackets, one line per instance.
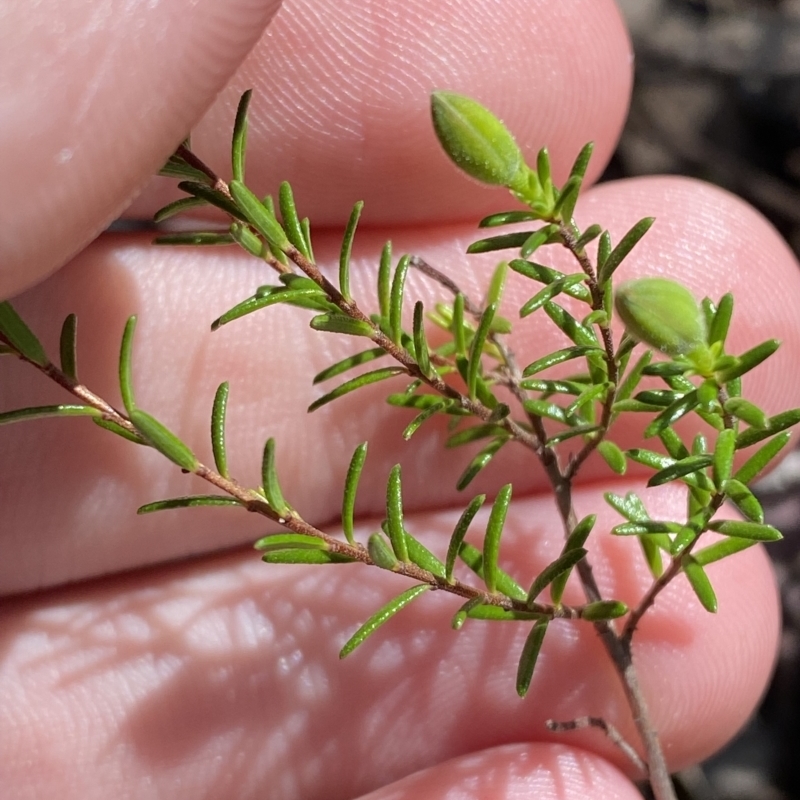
[218, 678]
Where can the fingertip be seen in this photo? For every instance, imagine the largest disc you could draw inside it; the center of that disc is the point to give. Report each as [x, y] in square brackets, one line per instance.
[116, 86]
[341, 100]
[514, 772]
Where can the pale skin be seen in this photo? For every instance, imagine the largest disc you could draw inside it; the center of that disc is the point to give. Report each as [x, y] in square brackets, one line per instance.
[156, 677]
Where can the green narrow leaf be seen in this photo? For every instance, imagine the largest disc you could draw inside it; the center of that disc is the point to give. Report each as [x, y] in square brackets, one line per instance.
[339, 323]
[194, 239]
[603, 249]
[125, 371]
[14, 330]
[497, 284]
[243, 235]
[422, 557]
[460, 532]
[108, 425]
[259, 216]
[680, 469]
[474, 434]
[420, 342]
[476, 349]
[507, 218]
[589, 235]
[570, 326]
[349, 363]
[506, 585]
[582, 161]
[366, 379]
[548, 293]
[700, 583]
[603, 610]
[674, 444]
[491, 542]
[314, 299]
[744, 500]
[670, 415]
[350, 490]
[457, 329]
[382, 616]
[177, 168]
[422, 417]
[480, 461]
[380, 552]
[489, 611]
[718, 329]
[755, 531]
[631, 380]
[68, 347]
[542, 274]
[530, 654]
[751, 468]
[289, 541]
[621, 251]
[157, 435]
[723, 456]
[561, 566]
[394, 514]
[504, 241]
[568, 197]
[299, 555]
[269, 481]
[347, 249]
[747, 412]
[646, 527]
[613, 456]
[211, 196]
[305, 225]
[749, 360]
[775, 424]
[575, 541]
[537, 239]
[188, 502]
[460, 617]
[290, 218]
[722, 549]
[41, 412]
[384, 280]
[239, 143]
[559, 357]
[218, 414]
[396, 299]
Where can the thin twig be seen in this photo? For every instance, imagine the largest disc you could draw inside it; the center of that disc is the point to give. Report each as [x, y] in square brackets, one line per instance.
[608, 729]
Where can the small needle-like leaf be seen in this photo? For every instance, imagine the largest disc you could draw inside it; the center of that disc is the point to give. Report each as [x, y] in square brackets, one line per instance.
[382, 616]
[68, 347]
[494, 530]
[351, 489]
[218, 414]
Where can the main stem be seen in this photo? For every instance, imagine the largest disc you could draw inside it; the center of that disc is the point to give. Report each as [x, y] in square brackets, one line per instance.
[617, 646]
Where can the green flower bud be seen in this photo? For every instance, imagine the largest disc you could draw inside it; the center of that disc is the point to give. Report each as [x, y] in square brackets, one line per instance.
[477, 141]
[663, 314]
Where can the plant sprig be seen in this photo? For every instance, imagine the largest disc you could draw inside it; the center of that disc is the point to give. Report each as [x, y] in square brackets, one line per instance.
[472, 376]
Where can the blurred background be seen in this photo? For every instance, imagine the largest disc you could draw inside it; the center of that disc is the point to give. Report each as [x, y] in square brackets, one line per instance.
[717, 96]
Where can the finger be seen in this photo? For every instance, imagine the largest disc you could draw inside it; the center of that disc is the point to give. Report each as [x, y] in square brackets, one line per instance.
[340, 104]
[707, 237]
[221, 678]
[546, 772]
[95, 97]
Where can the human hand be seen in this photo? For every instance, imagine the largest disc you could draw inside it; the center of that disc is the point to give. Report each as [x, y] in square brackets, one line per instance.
[219, 678]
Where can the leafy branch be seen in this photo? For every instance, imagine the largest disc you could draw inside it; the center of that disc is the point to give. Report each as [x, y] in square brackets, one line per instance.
[473, 377]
